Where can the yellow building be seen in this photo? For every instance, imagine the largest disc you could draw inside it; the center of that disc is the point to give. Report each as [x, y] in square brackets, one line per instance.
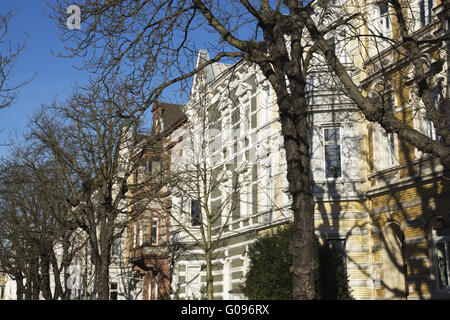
[407, 197]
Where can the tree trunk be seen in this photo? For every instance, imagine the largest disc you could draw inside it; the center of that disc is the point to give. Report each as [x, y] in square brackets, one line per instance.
[209, 276]
[27, 288]
[35, 280]
[59, 292]
[45, 277]
[103, 260]
[302, 247]
[102, 279]
[20, 290]
[295, 130]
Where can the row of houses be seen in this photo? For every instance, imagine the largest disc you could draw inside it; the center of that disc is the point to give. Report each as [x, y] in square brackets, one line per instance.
[377, 198]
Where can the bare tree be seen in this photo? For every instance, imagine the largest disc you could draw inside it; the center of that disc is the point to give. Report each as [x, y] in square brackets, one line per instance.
[409, 49]
[36, 232]
[265, 46]
[280, 37]
[8, 57]
[92, 138]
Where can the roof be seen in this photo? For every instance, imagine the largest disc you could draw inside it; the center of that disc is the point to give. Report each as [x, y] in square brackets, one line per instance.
[171, 115]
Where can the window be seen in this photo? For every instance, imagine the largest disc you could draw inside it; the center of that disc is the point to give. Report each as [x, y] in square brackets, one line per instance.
[135, 234]
[135, 176]
[153, 167]
[254, 192]
[113, 292]
[265, 107]
[383, 19]
[253, 113]
[441, 239]
[141, 231]
[332, 152]
[442, 256]
[388, 150]
[270, 186]
[115, 248]
[428, 128]
[154, 232]
[193, 283]
[156, 168]
[426, 12]
[182, 199]
[195, 213]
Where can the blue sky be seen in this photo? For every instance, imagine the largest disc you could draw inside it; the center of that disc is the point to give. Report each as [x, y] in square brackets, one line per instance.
[55, 76]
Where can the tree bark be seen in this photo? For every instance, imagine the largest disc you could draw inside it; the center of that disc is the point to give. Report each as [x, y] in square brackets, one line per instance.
[45, 277]
[295, 129]
[103, 279]
[287, 73]
[20, 290]
[103, 260]
[209, 276]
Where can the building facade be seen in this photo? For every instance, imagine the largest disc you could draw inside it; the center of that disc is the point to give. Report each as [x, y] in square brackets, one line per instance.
[148, 236]
[406, 190]
[377, 197]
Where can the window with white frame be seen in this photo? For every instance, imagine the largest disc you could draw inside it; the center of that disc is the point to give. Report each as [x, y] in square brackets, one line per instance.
[426, 12]
[154, 232]
[384, 23]
[254, 190]
[427, 125]
[135, 234]
[136, 176]
[253, 113]
[269, 185]
[388, 150]
[195, 213]
[141, 231]
[115, 248]
[332, 150]
[441, 240]
[182, 202]
[193, 283]
[156, 167]
[113, 292]
[265, 105]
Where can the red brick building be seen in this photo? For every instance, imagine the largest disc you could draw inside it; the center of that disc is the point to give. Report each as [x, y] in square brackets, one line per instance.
[149, 240]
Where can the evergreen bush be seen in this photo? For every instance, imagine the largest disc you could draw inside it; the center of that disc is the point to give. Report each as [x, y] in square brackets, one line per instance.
[269, 276]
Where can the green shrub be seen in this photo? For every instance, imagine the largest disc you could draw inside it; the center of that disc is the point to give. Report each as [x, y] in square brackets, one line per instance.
[269, 276]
